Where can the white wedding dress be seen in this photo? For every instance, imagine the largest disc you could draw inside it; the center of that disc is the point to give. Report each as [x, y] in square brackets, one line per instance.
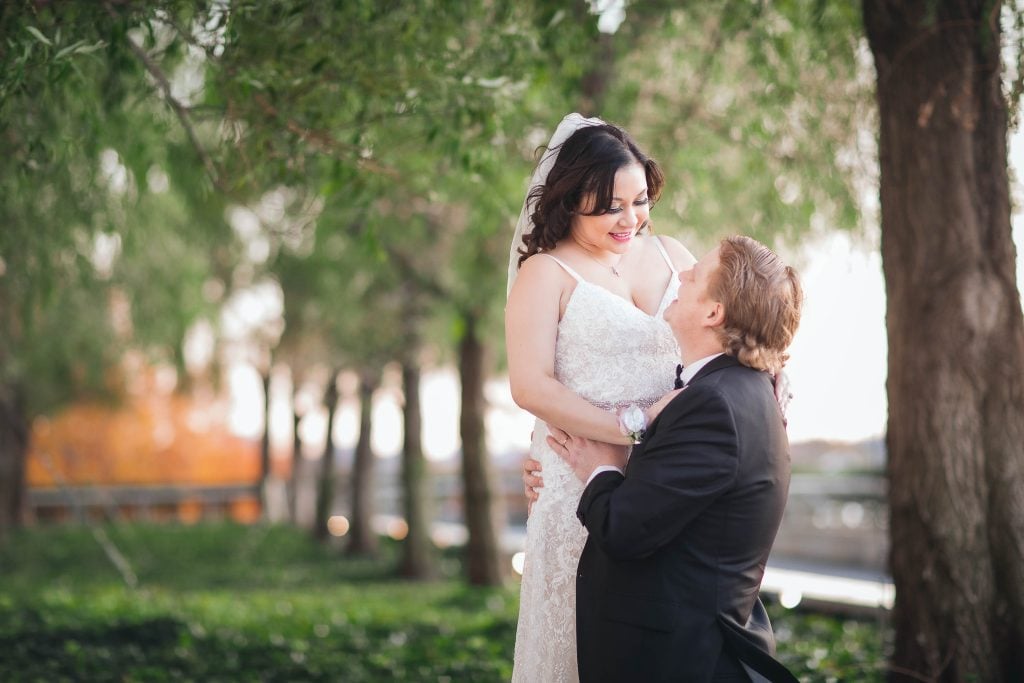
[612, 354]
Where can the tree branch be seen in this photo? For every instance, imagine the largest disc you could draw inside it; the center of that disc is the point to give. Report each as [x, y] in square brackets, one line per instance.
[409, 270]
[180, 110]
[322, 140]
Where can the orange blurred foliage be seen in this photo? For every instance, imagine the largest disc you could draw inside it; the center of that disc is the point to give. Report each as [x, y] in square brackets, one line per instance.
[155, 437]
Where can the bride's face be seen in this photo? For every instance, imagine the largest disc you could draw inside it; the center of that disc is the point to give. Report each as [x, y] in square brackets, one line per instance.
[614, 230]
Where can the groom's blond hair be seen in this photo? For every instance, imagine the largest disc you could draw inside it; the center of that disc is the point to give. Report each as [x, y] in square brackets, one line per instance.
[762, 298]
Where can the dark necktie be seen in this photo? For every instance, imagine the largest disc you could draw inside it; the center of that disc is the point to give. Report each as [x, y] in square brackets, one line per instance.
[679, 377]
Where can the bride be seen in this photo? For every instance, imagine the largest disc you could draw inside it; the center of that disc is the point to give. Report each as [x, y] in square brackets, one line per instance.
[586, 340]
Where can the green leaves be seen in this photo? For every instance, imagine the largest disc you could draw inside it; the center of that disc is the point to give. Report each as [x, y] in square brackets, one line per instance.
[87, 131]
[39, 36]
[79, 48]
[231, 602]
[409, 126]
[758, 112]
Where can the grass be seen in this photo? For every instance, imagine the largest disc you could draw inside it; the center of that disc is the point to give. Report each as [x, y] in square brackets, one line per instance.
[223, 602]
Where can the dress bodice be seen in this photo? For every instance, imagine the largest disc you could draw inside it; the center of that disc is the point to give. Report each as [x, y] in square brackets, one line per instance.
[612, 353]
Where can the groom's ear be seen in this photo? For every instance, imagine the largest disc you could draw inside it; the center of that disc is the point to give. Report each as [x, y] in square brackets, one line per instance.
[715, 315]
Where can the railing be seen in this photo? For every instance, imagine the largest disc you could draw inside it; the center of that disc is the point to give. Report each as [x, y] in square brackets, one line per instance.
[836, 519]
[184, 502]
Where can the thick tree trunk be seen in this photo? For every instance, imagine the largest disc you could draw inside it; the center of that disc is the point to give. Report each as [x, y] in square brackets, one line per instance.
[362, 539]
[265, 446]
[325, 481]
[956, 342]
[483, 554]
[418, 557]
[14, 436]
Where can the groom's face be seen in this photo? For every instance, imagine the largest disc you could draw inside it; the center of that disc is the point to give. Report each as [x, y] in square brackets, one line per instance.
[693, 310]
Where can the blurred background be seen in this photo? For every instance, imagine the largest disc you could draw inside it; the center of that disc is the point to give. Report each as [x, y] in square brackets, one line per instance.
[253, 260]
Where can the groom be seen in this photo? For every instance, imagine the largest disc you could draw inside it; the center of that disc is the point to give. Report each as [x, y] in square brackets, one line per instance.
[667, 586]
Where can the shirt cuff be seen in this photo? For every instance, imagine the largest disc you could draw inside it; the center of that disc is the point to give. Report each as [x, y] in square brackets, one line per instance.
[600, 469]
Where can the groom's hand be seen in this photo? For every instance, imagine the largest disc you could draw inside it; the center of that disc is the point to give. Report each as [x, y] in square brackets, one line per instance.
[656, 409]
[584, 455]
[532, 482]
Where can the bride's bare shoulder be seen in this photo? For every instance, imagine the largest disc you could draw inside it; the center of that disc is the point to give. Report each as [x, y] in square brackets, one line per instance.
[540, 265]
[542, 271]
[540, 290]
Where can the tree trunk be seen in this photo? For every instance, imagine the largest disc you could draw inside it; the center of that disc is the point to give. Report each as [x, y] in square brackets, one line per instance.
[483, 554]
[14, 437]
[265, 447]
[296, 469]
[594, 84]
[595, 81]
[418, 558]
[325, 482]
[956, 342]
[362, 539]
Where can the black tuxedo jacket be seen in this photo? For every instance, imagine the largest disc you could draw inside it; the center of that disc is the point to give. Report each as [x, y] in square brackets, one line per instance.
[668, 580]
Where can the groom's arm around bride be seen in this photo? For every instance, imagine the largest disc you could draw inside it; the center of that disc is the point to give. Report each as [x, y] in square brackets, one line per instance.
[667, 587]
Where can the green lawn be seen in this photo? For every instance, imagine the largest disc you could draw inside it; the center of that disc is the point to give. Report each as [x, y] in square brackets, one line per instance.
[223, 602]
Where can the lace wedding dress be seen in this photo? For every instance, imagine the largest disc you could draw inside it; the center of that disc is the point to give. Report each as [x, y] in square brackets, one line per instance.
[612, 354]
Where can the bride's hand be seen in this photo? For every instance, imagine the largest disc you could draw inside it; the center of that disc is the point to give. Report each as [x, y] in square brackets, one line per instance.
[783, 393]
[656, 409]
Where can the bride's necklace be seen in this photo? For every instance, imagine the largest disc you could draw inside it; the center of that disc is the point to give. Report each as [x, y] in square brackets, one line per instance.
[614, 270]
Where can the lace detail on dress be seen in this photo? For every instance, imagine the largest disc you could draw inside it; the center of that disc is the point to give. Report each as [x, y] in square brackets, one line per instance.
[612, 354]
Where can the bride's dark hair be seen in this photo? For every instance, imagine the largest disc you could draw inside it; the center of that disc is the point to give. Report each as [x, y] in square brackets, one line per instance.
[586, 164]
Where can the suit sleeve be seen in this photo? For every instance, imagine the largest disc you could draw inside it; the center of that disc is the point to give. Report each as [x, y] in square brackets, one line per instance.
[689, 462]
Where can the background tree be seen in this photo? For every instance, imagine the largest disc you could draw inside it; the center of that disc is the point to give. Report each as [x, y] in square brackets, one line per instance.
[362, 537]
[419, 559]
[325, 480]
[955, 437]
[447, 80]
[342, 310]
[75, 194]
[460, 216]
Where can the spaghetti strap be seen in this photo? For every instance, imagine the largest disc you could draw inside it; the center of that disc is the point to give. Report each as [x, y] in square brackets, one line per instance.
[567, 269]
[664, 253]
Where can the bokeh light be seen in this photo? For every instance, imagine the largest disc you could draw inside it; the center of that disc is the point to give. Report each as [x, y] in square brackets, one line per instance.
[338, 525]
[518, 562]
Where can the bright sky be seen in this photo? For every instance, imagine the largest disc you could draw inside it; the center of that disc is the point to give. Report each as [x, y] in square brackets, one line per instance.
[838, 358]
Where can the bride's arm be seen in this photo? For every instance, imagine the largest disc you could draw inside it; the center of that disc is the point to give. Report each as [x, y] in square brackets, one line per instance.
[531, 329]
